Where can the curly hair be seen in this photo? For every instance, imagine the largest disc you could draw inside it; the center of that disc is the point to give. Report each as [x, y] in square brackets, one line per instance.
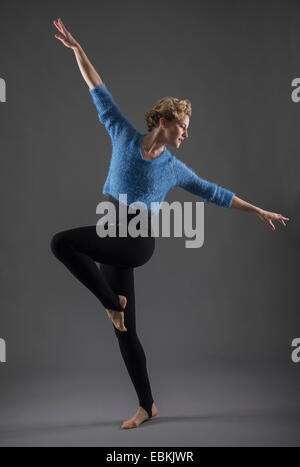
[169, 108]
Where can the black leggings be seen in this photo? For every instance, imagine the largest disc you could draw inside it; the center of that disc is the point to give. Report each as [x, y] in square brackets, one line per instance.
[78, 249]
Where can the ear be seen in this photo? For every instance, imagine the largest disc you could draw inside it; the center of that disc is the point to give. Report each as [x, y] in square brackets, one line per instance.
[162, 122]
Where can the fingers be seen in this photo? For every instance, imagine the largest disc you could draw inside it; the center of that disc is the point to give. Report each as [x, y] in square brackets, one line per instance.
[282, 221]
[269, 216]
[273, 216]
[58, 27]
[268, 221]
[62, 39]
[62, 26]
[280, 218]
[270, 224]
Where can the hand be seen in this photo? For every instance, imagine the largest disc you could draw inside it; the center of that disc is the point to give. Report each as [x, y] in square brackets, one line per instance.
[268, 217]
[67, 39]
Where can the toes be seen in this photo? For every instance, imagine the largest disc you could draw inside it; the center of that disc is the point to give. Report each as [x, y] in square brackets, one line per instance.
[120, 328]
[128, 425]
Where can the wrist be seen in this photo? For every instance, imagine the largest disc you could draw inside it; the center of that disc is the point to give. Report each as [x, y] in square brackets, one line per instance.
[76, 47]
[257, 210]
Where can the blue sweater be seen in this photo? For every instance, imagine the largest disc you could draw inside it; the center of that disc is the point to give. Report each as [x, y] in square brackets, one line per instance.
[146, 180]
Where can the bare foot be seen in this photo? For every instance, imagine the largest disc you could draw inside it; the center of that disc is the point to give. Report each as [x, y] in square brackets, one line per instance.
[139, 417]
[116, 316]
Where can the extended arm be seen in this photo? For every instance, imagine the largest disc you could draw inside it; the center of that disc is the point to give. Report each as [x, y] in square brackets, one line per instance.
[108, 111]
[266, 216]
[88, 72]
[210, 192]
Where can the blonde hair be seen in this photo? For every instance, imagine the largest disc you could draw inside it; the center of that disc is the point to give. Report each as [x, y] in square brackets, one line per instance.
[169, 108]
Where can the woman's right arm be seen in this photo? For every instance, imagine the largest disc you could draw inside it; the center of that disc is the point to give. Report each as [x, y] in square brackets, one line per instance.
[108, 111]
[88, 72]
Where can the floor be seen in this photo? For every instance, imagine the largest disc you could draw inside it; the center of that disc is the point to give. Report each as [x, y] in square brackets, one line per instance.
[214, 408]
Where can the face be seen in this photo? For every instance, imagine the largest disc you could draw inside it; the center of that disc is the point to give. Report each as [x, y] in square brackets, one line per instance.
[176, 130]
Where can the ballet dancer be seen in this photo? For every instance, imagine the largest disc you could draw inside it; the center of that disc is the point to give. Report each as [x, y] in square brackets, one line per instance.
[144, 169]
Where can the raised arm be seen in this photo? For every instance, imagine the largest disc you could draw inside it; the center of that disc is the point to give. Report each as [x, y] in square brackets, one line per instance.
[88, 72]
[108, 111]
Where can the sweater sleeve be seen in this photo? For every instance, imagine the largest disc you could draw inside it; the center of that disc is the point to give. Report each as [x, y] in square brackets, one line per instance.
[109, 113]
[187, 179]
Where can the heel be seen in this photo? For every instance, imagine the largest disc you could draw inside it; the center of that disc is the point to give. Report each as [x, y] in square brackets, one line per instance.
[149, 411]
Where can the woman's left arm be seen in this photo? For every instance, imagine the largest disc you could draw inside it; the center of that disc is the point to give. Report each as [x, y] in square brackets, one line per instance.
[186, 178]
[266, 216]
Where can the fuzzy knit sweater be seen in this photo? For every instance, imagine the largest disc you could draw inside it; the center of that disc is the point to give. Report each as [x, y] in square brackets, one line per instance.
[142, 180]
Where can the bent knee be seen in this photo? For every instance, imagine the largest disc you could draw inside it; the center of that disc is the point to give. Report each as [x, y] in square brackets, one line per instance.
[58, 243]
[145, 253]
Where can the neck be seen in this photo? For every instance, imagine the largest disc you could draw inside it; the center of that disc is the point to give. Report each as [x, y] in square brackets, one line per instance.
[154, 142]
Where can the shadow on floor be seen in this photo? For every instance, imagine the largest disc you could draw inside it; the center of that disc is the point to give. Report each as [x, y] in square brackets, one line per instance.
[291, 413]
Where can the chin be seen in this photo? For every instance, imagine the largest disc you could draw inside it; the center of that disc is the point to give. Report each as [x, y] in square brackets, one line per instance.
[176, 144]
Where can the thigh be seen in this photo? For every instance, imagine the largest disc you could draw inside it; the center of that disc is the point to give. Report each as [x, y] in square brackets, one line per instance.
[120, 251]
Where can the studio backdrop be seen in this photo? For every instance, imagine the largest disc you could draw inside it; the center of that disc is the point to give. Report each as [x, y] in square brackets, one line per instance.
[219, 324]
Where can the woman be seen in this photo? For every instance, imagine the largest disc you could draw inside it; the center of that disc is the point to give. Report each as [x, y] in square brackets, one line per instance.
[145, 170]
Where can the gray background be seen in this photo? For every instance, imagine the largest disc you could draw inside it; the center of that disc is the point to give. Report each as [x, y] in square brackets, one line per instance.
[217, 322]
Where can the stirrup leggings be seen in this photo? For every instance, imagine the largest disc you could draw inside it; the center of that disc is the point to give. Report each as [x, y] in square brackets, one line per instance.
[79, 249]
